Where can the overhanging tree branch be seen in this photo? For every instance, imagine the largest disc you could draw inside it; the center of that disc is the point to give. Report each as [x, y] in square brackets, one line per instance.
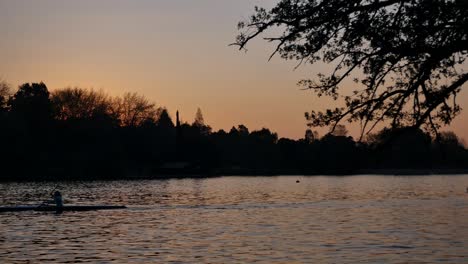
[404, 49]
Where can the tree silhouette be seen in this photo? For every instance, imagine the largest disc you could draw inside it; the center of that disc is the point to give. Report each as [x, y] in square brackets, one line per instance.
[87, 137]
[309, 136]
[450, 138]
[199, 120]
[243, 130]
[81, 104]
[264, 135]
[404, 55]
[164, 120]
[4, 94]
[134, 110]
[31, 102]
[339, 131]
[199, 123]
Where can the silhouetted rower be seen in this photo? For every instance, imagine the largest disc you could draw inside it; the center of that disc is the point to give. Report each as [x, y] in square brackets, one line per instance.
[58, 200]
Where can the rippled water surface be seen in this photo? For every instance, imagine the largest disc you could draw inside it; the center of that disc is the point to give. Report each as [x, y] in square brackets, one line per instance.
[360, 219]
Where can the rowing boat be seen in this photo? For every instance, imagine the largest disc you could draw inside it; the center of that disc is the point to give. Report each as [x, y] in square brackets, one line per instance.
[60, 209]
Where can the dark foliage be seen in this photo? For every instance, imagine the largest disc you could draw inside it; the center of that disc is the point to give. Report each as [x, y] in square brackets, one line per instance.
[31, 104]
[404, 55]
[82, 134]
[4, 93]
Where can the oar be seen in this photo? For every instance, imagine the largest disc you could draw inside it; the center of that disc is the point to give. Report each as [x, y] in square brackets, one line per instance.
[55, 188]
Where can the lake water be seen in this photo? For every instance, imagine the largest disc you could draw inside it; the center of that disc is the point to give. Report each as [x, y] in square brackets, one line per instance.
[358, 219]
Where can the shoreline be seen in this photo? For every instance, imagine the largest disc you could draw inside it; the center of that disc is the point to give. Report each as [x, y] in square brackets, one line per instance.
[244, 173]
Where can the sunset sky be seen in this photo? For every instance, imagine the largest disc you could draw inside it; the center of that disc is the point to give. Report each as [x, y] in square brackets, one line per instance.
[175, 52]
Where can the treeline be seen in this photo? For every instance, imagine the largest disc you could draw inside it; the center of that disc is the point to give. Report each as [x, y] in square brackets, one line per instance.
[76, 133]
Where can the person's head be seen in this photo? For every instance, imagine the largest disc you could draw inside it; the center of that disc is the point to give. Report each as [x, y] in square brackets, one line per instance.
[57, 193]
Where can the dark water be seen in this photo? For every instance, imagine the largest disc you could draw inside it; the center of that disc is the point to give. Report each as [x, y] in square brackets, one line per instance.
[361, 219]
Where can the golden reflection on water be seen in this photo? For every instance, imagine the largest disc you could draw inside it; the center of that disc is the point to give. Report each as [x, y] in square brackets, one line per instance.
[368, 219]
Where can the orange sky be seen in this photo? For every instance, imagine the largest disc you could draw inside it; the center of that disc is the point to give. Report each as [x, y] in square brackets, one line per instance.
[175, 52]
